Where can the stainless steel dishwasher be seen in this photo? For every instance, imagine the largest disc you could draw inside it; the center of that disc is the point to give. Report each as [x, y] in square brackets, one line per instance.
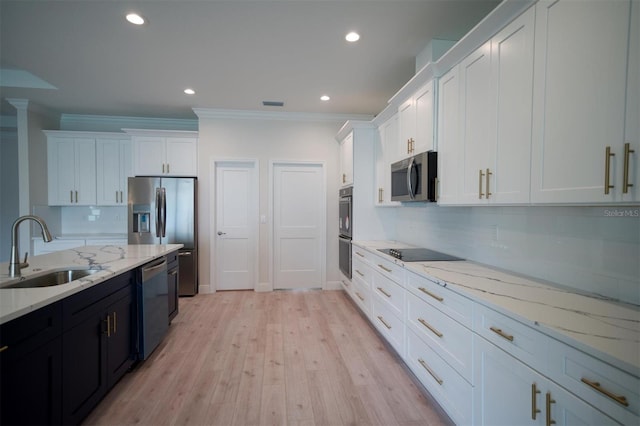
[153, 305]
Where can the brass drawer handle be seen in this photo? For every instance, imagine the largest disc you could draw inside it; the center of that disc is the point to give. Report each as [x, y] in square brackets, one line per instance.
[620, 399]
[359, 254]
[381, 290]
[386, 269]
[384, 322]
[108, 321]
[534, 408]
[501, 333]
[359, 273]
[380, 199]
[480, 176]
[426, 367]
[359, 296]
[625, 178]
[549, 402]
[607, 166]
[430, 327]
[115, 323]
[488, 174]
[347, 283]
[427, 292]
[4, 348]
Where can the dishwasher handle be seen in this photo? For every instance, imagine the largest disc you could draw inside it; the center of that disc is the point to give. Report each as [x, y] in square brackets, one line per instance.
[152, 269]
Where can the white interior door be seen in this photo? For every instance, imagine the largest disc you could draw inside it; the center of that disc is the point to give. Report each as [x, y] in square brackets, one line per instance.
[236, 226]
[299, 204]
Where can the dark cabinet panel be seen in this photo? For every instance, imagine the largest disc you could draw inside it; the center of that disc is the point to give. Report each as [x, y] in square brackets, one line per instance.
[121, 347]
[173, 283]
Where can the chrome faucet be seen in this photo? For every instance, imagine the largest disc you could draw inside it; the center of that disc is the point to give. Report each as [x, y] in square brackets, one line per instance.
[14, 264]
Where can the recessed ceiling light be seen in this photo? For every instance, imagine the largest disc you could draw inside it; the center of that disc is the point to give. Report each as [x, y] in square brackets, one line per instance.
[324, 98]
[352, 37]
[189, 91]
[136, 19]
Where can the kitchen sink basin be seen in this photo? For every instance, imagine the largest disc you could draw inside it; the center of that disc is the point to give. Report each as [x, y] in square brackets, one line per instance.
[52, 278]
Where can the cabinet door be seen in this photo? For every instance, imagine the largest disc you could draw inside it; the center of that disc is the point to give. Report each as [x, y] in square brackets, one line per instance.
[579, 101]
[181, 159]
[386, 149]
[423, 101]
[406, 128]
[120, 339]
[149, 156]
[346, 160]
[30, 385]
[61, 170]
[632, 122]
[172, 281]
[108, 172]
[512, 80]
[565, 409]
[477, 118]
[85, 168]
[449, 150]
[126, 168]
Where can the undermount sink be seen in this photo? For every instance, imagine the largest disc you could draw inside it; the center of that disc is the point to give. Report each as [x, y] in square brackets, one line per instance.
[52, 278]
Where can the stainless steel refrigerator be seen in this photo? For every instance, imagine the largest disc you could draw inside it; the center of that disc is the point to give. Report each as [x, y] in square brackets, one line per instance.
[163, 210]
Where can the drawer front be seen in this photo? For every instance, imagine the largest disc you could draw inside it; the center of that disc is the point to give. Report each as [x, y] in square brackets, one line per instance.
[389, 269]
[612, 390]
[346, 285]
[391, 327]
[32, 330]
[362, 271]
[450, 390]
[361, 294]
[389, 292]
[522, 342]
[457, 307]
[358, 253]
[451, 340]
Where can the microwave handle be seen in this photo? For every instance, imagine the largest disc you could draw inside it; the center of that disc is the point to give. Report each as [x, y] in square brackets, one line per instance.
[409, 168]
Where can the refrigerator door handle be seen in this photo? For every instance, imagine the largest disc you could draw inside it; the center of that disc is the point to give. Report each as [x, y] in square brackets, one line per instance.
[164, 212]
[158, 212]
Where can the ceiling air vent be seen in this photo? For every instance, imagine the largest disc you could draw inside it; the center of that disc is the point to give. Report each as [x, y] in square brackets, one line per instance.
[273, 103]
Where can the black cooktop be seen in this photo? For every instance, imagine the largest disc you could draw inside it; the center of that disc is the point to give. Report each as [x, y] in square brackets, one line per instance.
[418, 255]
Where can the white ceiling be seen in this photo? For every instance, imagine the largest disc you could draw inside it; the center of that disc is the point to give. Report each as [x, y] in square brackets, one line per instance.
[235, 54]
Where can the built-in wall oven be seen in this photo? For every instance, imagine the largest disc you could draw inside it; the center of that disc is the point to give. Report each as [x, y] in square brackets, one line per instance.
[345, 221]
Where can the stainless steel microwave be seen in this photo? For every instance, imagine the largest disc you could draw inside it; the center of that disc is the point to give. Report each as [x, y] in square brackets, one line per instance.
[414, 178]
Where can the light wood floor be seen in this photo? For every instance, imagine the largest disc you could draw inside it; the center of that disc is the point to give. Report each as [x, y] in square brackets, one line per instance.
[246, 358]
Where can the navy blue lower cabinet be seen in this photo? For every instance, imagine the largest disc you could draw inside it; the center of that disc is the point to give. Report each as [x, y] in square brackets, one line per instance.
[30, 368]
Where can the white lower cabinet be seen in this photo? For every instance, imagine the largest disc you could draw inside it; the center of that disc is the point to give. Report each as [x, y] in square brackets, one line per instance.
[388, 323]
[508, 392]
[361, 294]
[451, 390]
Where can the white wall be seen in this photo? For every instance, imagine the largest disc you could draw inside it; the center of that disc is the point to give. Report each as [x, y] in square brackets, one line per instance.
[8, 189]
[265, 140]
[587, 248]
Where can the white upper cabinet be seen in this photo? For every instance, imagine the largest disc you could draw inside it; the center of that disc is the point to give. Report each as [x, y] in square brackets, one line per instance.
[415, 120]
[449, 149]
[582, 87]
[386, 150]
[346, 160]
[71, 165]
[164, 153]
[631, 160]
[114, 164]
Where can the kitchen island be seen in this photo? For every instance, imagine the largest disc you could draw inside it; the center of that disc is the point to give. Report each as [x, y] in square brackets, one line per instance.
[111, 260]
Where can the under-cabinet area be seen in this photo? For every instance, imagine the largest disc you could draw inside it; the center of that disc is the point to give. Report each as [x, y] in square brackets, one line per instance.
[63, 347]
[495, 348]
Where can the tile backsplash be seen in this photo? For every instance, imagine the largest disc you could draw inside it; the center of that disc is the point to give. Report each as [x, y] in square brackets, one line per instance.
[594, 249]
[84, 219]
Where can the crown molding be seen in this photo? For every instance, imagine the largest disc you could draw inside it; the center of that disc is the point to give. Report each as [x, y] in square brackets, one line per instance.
[217, 113]
[353, 125]
[117, 123]
[161, 133]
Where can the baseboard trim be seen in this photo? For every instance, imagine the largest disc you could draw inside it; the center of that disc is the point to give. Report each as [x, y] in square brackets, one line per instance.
[333, 285]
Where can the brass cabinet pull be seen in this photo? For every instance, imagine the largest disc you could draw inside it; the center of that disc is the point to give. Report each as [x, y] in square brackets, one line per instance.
[426, 367]
[344, 178]
[480, 176]
[534, 408]
[347, 283]
[408, 146]
[607, 166]
[4, 348]
[359, 273]
[435, 189]
[359, 296]
[76, 196]
[549, 402]
[381, 290]
[115, 323]
[108, 321]
[386, 269]
[501, 333]
[620, 399]
[359, 254]
[430, 327]
[71, 196]
[427, 292]
[121, 197]
[384, 322]
[168, 168]
[488, 174]
[379, 195]
[117, 196]
[625, 179]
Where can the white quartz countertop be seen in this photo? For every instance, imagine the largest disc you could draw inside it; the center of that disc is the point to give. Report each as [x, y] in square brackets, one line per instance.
[105, 236]
[110, 260]
[589, 322]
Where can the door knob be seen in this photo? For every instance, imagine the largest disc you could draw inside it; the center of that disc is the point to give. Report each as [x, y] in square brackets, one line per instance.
[222, 233]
